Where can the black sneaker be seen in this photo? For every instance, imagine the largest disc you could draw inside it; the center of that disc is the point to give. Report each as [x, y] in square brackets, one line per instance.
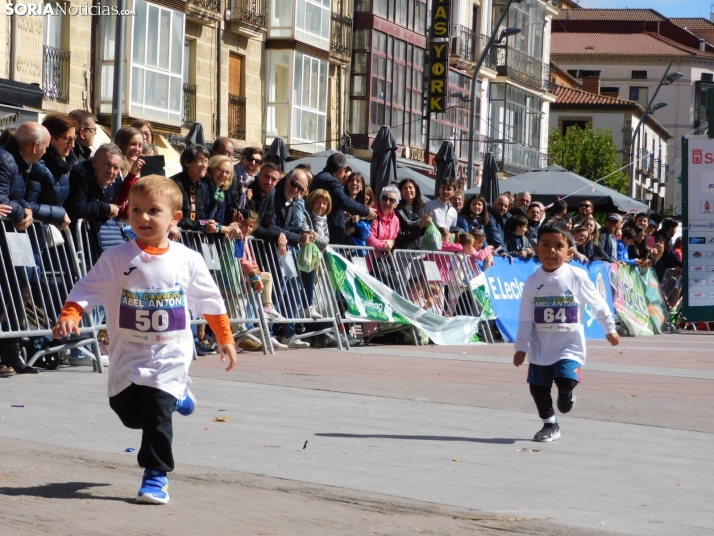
[549, 432]
[566, 401]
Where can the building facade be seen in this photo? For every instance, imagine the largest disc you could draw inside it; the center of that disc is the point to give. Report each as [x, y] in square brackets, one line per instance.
[389, 67]
[629, 50]
[589, 109]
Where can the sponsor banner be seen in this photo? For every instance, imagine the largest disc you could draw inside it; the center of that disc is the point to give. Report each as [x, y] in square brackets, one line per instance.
[369, 299]
[480, 291]
[505, 286]
[655, 301]
[630, 301]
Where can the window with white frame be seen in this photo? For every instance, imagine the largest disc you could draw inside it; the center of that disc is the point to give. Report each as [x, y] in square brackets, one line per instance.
[106, 60]
[296, 99]
[310, 21]
[157, 63]
[313, 22]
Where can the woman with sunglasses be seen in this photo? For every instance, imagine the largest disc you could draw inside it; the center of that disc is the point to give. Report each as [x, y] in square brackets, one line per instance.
[385, 227]
[48, 182]
[245, 172]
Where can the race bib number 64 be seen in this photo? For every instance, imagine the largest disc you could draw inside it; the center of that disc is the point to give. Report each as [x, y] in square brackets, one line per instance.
[556, 313]
[153, 316]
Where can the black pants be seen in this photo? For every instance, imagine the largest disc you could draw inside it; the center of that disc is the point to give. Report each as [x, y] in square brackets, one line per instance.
[543, 400]
[150, 410]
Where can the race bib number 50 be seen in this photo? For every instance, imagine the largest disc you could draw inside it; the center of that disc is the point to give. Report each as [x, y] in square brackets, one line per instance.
[556, 313]
[153, 316]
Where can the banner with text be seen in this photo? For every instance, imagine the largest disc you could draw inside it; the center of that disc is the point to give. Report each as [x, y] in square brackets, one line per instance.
[369, 299]
[505, 286]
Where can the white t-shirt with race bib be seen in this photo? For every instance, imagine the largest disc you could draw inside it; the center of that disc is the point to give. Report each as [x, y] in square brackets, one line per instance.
[147, 299]
[550, 324]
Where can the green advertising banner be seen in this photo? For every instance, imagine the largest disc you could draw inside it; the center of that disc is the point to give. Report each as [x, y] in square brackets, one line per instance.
[479, 289]
[655, 301]
[629, 299]
[369, 299]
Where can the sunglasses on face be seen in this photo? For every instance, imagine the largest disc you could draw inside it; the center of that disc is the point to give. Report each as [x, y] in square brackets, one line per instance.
[297, 186]
[585, 206]
[254, 159]
[388, 199]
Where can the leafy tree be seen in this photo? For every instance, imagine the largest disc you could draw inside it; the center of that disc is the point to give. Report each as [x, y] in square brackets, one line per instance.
[589, 153]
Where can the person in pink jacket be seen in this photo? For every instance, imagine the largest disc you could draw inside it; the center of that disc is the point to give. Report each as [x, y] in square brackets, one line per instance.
[385, 227]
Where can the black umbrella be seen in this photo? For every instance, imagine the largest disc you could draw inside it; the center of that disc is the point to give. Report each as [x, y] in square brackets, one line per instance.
[278, 153]
[446, 165]
[489, 180]
[195, 135]
[383, 168]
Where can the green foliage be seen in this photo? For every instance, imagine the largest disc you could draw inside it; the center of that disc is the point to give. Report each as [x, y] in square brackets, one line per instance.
[589, 153]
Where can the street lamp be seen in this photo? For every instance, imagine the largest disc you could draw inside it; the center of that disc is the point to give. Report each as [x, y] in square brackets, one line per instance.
[667, 79]
[474, 83]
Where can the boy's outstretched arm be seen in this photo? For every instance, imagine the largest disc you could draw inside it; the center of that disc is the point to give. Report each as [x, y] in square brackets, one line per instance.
[229, 351]
[226, 345]
[68, 322]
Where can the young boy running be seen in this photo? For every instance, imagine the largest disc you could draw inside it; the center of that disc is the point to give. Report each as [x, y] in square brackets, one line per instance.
[147, 287]
[552, 305]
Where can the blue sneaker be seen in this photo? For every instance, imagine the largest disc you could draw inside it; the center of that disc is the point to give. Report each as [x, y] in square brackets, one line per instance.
[187, 404]
[154, 488]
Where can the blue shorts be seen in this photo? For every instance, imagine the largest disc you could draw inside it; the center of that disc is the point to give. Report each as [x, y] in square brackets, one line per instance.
[544, 375]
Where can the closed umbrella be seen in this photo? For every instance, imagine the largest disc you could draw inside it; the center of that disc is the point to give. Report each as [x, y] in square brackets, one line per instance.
[489, 180]
[195, 135]
[383, 168]
[278, 153]
[446, 165]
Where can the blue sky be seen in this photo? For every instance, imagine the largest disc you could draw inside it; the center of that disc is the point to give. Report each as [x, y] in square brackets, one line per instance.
[668, 8]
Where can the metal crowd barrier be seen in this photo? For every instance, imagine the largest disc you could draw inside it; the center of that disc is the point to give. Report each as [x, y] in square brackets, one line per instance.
[382, 268]
[289, 296]
[439, 282]
[242, 302]
[38, 269]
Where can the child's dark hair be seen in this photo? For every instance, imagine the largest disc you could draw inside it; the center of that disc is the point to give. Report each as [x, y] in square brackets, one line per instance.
[559, 206]
[629, 233]
[515, 221]
[556, 227]
[249, 215]
[465, 239]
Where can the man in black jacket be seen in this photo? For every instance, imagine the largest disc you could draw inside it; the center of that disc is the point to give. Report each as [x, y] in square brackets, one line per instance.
[333, 179]
[85, 135]
[262, 202]
[94, 187]
[608, 242]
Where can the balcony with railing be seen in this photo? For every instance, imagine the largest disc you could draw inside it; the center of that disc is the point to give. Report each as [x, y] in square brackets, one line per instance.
[55, 74]
[646, 163]
[203, 11]
[341, 39]
[513, 158]
[188, 114]
[523, 68]
[236, 116]
[246, 17]
[462, 54]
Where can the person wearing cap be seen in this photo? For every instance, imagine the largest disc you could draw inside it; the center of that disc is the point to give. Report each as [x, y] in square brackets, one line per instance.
[608, 242]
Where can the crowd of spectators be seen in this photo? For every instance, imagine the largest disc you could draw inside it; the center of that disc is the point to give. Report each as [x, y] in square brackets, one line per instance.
[48, 173]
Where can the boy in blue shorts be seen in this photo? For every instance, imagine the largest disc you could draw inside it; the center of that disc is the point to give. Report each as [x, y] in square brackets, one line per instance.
[149, 287]
[549, 325]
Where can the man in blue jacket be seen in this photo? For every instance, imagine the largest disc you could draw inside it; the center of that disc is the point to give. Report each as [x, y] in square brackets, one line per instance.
[16, 158]
[495, 228]
[333, 179]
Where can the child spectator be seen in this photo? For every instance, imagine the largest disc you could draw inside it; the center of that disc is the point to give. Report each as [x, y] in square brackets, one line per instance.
[148, 286]
[518, 244]
[629, 235]
[318, 205]
[550, 326]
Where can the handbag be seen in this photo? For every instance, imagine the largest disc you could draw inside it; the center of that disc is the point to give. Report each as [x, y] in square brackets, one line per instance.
[309, 257]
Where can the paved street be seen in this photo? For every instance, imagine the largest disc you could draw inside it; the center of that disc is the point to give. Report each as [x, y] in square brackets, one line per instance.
[400, 440]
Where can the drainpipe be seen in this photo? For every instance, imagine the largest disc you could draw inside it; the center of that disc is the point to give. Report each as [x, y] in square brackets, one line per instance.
[13, 49]
[218, 73]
